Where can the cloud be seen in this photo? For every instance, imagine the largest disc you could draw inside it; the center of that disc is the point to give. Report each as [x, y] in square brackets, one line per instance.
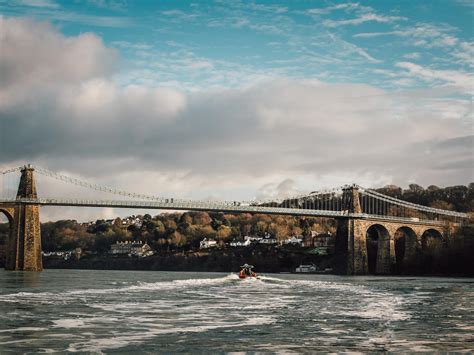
[423, 35]
[413, 55]
[464, 54]
[363, 14]
[284, 189]
[368, 17]
[461, 80]
[346, 7]
[37, 3]
[62, 109]
[115, 5]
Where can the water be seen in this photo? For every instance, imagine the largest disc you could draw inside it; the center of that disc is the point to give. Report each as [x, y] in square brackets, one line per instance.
[126, 311]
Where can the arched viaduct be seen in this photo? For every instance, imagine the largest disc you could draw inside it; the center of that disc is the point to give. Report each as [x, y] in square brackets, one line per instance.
[376, 245]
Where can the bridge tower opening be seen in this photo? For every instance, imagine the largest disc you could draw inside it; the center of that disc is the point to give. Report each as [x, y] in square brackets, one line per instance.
[6, 223]
[380, 250]
[405, 249]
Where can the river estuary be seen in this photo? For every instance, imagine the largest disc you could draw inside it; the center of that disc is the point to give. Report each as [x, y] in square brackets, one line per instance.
[129, 311]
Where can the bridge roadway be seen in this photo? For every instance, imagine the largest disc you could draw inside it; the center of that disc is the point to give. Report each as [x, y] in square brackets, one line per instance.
[209, 206]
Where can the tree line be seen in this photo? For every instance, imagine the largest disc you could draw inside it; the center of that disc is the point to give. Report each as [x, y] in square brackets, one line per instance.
[176, 231]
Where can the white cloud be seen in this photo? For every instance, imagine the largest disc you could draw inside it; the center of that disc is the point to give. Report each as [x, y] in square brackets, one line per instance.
[37, 3]
[363, 14]
[347, 7]
[109, 4]
[413, 55]
[462, 80]
[422, 34]
[464, 54]
[367, 17]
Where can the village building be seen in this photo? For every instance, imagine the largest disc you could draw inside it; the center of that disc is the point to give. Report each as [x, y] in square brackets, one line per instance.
[308, 240]
[323, 240]
[252, 239]
[130, 248]
[268, 240]
[294, 240]
[207, 243]
[245, 243]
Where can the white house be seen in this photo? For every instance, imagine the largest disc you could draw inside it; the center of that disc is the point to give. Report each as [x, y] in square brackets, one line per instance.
[268, 240]
[245, 243]
[294, 240]
[252, 239]
[207, 243]
[130, 248]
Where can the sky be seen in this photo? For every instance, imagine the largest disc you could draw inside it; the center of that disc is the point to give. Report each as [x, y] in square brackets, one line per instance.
[238, 99]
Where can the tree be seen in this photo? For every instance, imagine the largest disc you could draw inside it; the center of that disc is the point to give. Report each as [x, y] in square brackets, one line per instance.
[279, 231]
[202, 218]
[170, 224]
[223, 232]
[207, 232]
[185, 220]
[177, 239]
[260, 228]
[442, 205]
[416, 188]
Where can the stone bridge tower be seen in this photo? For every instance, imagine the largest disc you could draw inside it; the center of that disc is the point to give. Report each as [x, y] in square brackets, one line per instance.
[24, 242]
[350, 248]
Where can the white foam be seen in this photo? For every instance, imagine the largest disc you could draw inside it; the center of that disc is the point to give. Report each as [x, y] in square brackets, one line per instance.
[68, 323]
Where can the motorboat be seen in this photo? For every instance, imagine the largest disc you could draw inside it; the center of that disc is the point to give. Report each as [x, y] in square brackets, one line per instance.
[246, 271]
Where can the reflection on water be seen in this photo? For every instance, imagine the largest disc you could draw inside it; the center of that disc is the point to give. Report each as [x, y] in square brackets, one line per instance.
[95, 311]
[21, 279]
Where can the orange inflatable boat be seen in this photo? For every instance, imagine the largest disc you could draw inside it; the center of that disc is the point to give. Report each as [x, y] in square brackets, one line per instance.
[246, 271]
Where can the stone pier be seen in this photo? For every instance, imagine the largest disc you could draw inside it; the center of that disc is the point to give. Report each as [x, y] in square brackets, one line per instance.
[24, 242]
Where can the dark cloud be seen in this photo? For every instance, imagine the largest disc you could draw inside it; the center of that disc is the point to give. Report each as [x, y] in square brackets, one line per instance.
[60, 107]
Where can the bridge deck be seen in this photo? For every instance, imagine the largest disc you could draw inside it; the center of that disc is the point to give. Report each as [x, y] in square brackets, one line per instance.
[218, 207]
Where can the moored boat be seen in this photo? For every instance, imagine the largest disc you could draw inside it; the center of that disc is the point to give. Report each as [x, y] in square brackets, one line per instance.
[311, 269]
[304, 269]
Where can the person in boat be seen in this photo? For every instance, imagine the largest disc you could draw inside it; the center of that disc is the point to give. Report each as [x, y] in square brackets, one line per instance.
[246, 271]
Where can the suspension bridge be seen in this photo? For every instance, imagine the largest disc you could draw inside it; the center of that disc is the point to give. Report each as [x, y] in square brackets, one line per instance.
[356, 209]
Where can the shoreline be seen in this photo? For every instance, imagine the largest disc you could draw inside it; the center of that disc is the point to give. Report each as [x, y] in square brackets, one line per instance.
[133, 265]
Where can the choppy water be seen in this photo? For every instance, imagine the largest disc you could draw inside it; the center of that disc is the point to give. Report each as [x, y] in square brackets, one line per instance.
[127, 311]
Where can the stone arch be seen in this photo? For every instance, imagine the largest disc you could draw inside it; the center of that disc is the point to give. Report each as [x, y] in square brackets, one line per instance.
[4, 240]
[431, 238]
[432, 250]
[406, 245]
[7, 212]
[380, 249]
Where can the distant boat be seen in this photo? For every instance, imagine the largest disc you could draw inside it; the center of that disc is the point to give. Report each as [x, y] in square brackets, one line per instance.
[311, 269]
[305, 269]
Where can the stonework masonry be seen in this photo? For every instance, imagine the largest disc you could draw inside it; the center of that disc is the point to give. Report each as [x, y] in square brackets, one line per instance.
[351, 244]
[24, 241]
